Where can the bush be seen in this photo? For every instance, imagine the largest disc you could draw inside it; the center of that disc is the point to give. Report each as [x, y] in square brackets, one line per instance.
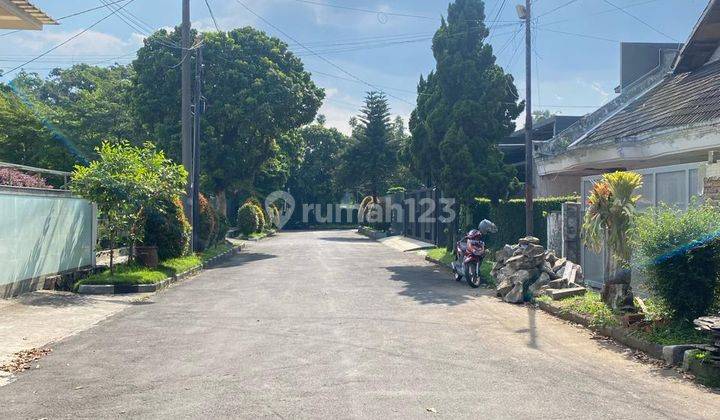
[263, 219]
[247, 219]
[509, 217]
[679, 253]
[208, 223]
[223, 227]
[167, 228]
[15, 178]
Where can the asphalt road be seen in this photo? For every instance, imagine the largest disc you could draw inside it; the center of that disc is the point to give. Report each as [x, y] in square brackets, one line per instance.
[331, 325]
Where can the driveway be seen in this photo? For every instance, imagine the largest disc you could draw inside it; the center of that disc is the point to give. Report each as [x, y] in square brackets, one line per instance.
[328, 324]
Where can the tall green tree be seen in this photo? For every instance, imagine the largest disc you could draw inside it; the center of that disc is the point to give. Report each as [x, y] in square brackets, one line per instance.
[315, 180]
[464, 108]
[25, 139]
[372, 156]
[84, 105]
[256, 91]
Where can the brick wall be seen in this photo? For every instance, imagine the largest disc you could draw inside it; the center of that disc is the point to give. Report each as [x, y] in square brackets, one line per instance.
[711, 182]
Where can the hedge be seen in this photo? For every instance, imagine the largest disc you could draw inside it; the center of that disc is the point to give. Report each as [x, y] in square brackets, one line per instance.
[509, 217]
[167, 228]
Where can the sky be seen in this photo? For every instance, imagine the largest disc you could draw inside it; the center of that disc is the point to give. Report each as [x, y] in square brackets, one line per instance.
[352, 46]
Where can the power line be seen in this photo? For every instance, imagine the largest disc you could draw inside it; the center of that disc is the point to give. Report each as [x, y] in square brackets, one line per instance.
[581, 35]
[358, 9]
[318, 55]
[556, 9]
[69, 39]
[212, 15]
[642, 3]
[640, 20]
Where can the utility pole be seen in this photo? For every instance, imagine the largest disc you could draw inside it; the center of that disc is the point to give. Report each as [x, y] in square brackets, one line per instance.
[186, 133]
[198, 109]
[524, 13]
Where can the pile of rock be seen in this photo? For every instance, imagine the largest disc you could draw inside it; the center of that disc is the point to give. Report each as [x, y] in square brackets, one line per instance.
[527, 269]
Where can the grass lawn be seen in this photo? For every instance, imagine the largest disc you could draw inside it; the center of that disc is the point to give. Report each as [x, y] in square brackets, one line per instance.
[588, 304]
[135, 274]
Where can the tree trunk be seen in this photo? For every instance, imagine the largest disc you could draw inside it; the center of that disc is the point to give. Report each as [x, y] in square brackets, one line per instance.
[221, 202]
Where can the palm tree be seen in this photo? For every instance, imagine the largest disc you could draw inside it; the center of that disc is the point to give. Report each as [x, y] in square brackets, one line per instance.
[608, 219]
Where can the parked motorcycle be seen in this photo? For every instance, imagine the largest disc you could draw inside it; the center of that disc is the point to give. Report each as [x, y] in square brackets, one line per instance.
[470, 253]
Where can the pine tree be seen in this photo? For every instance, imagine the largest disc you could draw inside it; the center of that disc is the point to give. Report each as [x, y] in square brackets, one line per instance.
[465, 107]
[371, 159]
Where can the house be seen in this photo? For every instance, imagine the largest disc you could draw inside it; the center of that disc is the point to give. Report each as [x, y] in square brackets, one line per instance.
[513, 146]
[663, 125]
[21, 14]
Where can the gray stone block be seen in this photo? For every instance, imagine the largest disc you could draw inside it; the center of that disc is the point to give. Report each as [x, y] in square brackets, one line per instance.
[673, 355]
[96, 289]
[557, 294]
[146, 288]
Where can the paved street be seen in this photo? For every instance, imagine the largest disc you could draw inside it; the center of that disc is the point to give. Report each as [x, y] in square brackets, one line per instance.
[331, 325]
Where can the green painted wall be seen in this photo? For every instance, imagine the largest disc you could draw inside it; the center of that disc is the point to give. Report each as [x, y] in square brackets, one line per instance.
[44, 234]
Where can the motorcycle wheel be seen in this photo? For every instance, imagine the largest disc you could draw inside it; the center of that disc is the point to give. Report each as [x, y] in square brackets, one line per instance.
[472, 274]
[458, 274]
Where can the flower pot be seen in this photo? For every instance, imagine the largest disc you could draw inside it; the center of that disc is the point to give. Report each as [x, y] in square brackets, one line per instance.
[147, 255]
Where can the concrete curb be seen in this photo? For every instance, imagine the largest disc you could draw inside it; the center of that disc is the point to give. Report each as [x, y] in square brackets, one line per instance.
[115, 289]
[439, 263]
[618, 334]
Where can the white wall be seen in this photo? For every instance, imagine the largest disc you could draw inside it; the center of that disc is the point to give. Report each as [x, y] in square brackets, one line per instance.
[43, 233]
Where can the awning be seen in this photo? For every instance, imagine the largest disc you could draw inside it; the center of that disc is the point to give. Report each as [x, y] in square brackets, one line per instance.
[20, 14]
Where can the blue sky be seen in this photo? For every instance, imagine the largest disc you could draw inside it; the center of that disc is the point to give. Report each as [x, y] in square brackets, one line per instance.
[387, 43]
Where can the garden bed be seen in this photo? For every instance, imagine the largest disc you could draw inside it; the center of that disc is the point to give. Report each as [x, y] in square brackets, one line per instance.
[664, 341]
[372, 233]
[137, 279]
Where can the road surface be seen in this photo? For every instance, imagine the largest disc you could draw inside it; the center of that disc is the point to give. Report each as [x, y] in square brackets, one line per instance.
[328, 324]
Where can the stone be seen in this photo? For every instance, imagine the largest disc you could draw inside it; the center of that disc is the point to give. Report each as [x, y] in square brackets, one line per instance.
[557, 284]
[529, 240]
[557, 294]
[543, 280]
[550, 257]
[51, 282]
[504, 287]
[96, 289]
[673, 355]
[520, 262]
[515, 295]
[560, 263]
[503, 254]
[547, 268]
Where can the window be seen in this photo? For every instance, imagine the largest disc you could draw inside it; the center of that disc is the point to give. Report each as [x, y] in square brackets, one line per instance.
[671, 188]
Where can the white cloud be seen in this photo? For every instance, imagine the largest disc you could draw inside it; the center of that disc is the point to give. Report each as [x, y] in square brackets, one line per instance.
[89, 43]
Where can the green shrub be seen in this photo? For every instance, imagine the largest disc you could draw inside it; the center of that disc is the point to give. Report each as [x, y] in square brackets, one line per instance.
[247, 219]
[679, 254]
[509, 217]
[167, 228]
[263, 219]
[208, 223]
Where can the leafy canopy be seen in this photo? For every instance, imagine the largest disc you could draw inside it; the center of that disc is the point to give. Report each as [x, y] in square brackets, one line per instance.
[465, 107]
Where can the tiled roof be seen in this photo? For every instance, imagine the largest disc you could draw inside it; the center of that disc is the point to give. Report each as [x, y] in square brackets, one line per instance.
[679, 100]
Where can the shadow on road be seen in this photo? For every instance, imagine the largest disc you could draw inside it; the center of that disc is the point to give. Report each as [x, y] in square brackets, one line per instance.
[429, 285]
[242, 259]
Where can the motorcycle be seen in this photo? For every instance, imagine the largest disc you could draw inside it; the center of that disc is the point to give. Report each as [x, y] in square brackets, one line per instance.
[470, 253]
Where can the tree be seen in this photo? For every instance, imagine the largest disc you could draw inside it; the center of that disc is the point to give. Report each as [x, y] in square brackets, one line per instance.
[607, 221]
[25, 140]
[403, 178]
[126, 181]
[372, 155]
[540, 116]
[465, 107]
[315, 180]
[256, 91]
[84, 106]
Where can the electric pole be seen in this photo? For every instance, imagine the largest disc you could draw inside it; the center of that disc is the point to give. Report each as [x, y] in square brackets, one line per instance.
[198, 108]
[186, 133]
[524, 13]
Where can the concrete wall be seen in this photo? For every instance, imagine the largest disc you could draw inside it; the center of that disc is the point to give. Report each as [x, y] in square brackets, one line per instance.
[42, 233]
[557, 185]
